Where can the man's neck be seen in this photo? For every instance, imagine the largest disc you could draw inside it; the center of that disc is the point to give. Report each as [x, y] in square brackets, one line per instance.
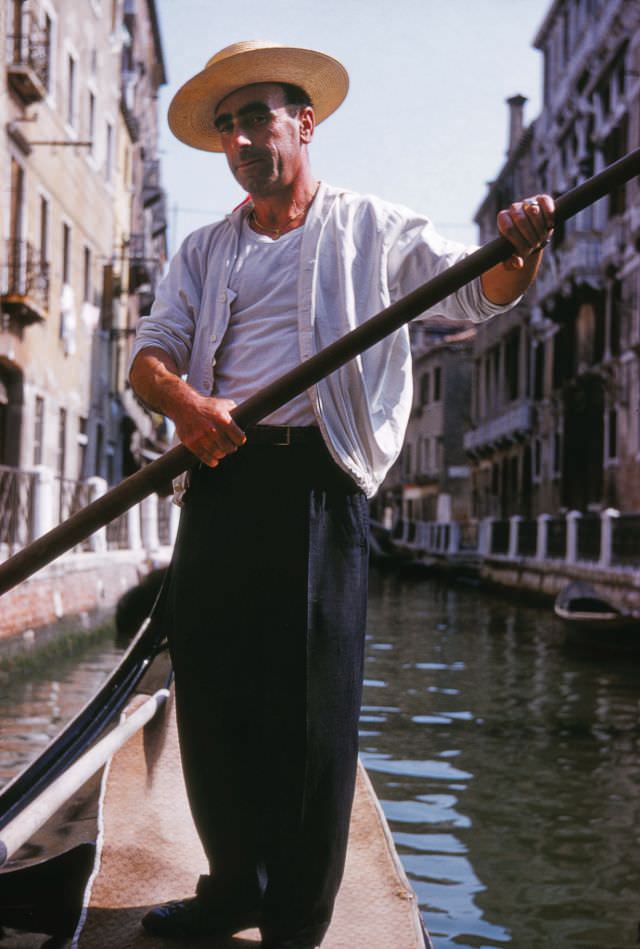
[285, 209]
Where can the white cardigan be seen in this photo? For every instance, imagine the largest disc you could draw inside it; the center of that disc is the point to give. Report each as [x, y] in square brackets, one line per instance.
[358, 255]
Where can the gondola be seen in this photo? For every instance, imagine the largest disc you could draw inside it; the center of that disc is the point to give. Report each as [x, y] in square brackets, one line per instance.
[591, 620]
[124, 840]
[42, 879]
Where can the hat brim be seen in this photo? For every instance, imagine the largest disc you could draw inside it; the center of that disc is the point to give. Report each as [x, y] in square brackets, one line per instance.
[192, 110]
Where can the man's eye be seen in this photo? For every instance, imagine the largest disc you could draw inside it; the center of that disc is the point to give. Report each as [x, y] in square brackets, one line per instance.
[258, 119]
[224, 127]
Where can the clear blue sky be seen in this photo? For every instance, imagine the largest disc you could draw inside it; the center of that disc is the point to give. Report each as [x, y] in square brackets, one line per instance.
[425, 121]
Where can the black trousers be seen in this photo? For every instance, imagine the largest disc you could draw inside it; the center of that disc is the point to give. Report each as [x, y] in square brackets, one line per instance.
[268, 600]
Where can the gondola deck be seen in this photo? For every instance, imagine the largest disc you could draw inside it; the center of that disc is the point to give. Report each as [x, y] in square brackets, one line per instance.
[149, 852]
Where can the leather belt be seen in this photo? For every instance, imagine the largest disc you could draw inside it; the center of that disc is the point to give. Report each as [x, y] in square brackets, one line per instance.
[283, 436]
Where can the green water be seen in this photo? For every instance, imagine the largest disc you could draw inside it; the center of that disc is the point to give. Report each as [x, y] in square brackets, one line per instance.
[508, 765]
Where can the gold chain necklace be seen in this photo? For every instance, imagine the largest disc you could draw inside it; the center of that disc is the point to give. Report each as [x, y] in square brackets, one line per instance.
[277, 231]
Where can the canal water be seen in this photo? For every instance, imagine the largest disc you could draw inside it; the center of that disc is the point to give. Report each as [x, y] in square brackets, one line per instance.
[507, 764]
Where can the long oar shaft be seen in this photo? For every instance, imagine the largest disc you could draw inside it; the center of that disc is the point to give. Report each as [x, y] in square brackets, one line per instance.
[151, 478]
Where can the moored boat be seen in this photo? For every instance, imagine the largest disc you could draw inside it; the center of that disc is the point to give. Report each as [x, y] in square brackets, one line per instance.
[591, 619]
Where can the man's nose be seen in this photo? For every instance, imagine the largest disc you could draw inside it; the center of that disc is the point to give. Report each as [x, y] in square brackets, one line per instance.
[239, 136]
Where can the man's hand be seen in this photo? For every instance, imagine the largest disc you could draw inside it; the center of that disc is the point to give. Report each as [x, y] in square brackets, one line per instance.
[528, 225]
[205, 426]
[203, 423]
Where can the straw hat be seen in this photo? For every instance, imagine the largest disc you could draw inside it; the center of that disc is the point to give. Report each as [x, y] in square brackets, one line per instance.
[192, 109]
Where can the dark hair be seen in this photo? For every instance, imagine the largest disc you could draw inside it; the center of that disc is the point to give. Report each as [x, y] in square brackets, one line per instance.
[295, 95]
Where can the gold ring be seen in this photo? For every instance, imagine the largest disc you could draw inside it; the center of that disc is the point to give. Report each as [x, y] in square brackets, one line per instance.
[530, 204]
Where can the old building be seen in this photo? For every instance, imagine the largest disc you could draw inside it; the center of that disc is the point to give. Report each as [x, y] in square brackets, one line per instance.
[556, 381]
[499, 437]
[430, 481]
[77, 136]
[587, 303]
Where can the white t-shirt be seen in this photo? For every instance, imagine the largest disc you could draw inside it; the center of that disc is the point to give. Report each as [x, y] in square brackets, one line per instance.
[262, 340]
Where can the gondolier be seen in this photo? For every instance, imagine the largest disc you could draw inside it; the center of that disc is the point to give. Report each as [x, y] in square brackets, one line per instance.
[267, 595]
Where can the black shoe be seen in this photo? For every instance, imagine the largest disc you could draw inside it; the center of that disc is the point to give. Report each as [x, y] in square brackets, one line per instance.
[192, 918]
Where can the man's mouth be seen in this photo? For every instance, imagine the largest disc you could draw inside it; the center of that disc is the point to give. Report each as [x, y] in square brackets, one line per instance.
[247, 162]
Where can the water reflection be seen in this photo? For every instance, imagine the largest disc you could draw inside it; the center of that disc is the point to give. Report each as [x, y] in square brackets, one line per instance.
[35, 704]
[509, 769]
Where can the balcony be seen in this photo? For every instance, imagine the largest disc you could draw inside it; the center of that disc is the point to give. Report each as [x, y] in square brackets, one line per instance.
[159, 215]
[614, 242]
[28, 65]
[25, 289]
[151, 188]
[580, 261]
[511, 426]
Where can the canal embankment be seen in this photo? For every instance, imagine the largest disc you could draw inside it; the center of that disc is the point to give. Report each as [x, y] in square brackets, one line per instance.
[537, 557]
[80, 590]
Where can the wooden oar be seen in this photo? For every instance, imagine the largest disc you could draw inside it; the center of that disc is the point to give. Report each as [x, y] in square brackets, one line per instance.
[154, 476]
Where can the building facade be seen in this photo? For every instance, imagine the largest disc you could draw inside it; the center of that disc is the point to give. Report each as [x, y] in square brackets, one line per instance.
[556, 386]
[77, 133]
[431, 479]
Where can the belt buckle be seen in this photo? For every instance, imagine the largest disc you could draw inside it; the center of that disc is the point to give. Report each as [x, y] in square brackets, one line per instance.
[286, 441]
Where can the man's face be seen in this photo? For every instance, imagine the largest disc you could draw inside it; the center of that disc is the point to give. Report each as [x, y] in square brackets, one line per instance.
[263, 138]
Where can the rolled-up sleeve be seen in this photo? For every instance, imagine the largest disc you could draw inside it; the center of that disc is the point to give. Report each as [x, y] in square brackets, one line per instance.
[417, 253]
[170, 326]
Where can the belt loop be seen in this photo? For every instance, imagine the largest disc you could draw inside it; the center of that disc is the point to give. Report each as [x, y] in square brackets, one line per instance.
[286, 441]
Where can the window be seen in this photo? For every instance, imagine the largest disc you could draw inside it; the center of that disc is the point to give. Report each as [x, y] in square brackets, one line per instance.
[97, 462]
[86, 279]
[83, 441]
[66, 253]
[108, 161]
[71, 90]
[612, 441]
[44, 230]
[48, 52]
[38, 430]
[17, 206]
[62, 443]
[538, 370]
[91, 120]
[487, 386]
[537, 458]
[615, 328]
[512, 353]
[557, 453]
[425, 387]
[407, 461]
[111, 457]
[437, 384]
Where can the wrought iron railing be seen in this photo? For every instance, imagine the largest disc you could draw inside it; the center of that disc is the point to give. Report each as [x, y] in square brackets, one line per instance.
[30, 49]
[118, 533]
[468, 538]
[72, 497]
[527, 538]
[588, 539]
[500, 537]
[164, 521]
[26, 274]
[625, 540]
[17, 491]
[557, 538]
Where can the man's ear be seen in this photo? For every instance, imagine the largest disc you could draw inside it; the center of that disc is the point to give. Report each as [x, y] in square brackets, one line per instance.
[307, 120]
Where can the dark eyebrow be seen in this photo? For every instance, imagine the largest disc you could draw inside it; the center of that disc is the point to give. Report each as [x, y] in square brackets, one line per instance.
[225, 117]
